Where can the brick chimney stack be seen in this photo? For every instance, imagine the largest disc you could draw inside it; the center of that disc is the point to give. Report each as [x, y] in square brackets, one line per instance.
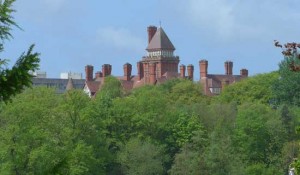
[109, 69]
[152, 73]
[140, 70]
[228, 67]
[203, 64]
[151, 32]
[182, 71]
[106, 70]
[127, 71]
[89, 72]
[190, 71]
[244, 72]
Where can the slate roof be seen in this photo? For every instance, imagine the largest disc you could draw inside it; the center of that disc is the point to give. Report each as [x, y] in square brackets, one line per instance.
[215, 80]
[59, 84]
[93, 86]
[160, 41]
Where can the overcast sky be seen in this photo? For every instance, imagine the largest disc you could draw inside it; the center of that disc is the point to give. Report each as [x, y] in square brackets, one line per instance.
[70, 34]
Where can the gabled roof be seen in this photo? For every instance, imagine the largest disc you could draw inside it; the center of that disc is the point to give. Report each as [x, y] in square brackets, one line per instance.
[93, 86]
[215, 80]
[160, 41]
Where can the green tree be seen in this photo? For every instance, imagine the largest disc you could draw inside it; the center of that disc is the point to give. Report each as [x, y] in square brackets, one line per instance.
[259, 137]
[14, 80]
[42, 132]
[253, 89]
[184, 91]
[141, 157]
[191, 158]
[286, 87]
[111, 88]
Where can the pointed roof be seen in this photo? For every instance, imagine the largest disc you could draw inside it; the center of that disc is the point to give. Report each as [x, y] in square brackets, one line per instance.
[160, 41]
[70, 85]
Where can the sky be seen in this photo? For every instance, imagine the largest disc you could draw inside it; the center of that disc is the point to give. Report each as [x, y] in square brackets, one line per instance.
[70, 34]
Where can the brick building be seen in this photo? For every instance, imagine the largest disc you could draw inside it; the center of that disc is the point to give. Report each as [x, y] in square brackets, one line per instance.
[214, 83]
[159, 65]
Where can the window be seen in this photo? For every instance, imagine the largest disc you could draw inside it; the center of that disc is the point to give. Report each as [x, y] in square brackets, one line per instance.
[215, 90]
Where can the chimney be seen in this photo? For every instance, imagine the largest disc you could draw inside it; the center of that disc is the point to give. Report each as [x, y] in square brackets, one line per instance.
[182, 71]
[228, 67]
[106, 70]
[152, 73]
[89, 72]
[140, 70]
[109, 68]
[127, 71]
[190, 71]
[244, 72]
[98, 74]
[151, 32]
[203, 64]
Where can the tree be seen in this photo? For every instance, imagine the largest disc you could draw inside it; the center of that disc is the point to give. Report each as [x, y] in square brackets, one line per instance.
[286, 90]
[252, 89]
[141, 157]
[259, 136]
[14, 80]
[42, 132]
[286, 87]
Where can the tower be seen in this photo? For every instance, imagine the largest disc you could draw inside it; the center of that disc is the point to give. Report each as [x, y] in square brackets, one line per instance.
[160, 53]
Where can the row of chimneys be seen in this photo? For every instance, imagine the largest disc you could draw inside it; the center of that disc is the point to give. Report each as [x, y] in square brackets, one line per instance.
[203, 64]
[106, 71]
[89, 69]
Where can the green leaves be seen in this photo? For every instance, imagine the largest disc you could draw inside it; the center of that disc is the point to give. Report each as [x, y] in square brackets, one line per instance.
[13, 81]
[259, 134]
[169, 128]
[136, 151]
[6, 21]
[253, 89]
[17, 78]
[45, 133]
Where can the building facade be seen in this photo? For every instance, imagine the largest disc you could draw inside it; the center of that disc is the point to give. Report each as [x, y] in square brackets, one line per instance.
[159, 65]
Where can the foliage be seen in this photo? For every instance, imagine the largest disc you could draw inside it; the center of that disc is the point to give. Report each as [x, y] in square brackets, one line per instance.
[252, 89]
[286, 88]
[136, 151]
[14, 80]
[111, 88]
[43, 133]
[165, 129]
[259, 135]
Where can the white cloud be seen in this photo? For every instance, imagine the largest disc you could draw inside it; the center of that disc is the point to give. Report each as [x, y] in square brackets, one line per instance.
[120, 38]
